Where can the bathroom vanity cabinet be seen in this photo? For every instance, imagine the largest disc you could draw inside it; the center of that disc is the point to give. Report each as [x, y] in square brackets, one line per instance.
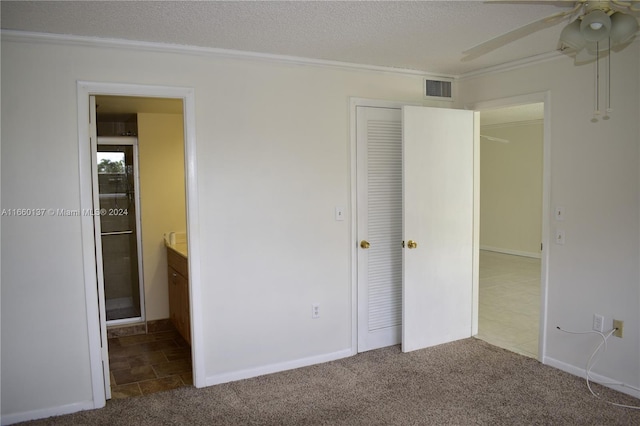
[179, 292]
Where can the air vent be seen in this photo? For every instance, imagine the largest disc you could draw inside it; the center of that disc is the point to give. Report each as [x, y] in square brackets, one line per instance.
[437, 89]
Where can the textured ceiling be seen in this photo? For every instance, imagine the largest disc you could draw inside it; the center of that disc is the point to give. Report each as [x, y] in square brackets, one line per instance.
[428, 36]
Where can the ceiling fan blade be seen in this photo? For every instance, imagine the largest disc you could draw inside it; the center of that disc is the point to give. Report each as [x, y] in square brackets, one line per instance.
[494, 43]
[632, 7]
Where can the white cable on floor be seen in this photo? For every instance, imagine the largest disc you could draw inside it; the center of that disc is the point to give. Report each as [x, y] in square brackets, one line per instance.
[590, 366]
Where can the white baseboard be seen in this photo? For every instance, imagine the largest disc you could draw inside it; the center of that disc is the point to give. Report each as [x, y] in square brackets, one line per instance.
[217, 379]
[8, 419]
[513, 252]
[596, 378]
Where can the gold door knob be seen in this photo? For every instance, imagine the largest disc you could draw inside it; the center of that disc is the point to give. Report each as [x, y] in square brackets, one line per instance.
[412, 244]
[365, 244]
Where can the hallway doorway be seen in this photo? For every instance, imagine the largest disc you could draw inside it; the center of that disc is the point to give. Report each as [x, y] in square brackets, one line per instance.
[511, 227]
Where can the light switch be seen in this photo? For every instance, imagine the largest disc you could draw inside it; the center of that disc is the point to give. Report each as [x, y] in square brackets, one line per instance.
[559, 213]
[339, 213]
[559, 236]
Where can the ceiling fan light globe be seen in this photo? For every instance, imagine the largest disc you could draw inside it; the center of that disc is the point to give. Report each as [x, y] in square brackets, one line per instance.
[571, 36]
[623, 28]
[595, 26]
[584, 57]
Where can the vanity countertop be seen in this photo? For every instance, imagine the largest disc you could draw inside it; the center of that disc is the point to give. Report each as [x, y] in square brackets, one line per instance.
[177, 241]
[180, 248]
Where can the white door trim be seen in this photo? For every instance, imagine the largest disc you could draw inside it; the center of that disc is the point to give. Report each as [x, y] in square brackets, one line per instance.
[353, 104]
[544, 97]
[84, 90]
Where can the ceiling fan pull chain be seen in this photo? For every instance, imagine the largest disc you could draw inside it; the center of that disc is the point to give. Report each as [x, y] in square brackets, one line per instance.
[609, 109]
[597, 105]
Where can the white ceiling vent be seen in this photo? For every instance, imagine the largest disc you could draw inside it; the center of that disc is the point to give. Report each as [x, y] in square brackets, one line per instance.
[437, 90]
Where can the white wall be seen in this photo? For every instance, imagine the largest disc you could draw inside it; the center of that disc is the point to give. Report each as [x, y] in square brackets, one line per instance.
[594, 176]
[163, 203]
[273, 162]
[44, 332]
[511, 188]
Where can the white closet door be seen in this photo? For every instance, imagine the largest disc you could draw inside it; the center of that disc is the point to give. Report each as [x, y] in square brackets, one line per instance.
[438, 273]
[379, 188]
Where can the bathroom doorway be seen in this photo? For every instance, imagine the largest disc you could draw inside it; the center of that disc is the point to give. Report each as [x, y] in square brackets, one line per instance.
[140, 190]
[94, 294]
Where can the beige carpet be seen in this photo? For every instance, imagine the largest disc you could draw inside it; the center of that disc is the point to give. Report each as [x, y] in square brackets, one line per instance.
[468, 382]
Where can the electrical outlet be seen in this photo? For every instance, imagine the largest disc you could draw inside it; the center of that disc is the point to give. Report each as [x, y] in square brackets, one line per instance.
[618, 325]
[598, 323]
[315, 310]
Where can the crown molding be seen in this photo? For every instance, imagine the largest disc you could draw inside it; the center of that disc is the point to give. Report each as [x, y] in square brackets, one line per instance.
[64, 39]
[513, 65]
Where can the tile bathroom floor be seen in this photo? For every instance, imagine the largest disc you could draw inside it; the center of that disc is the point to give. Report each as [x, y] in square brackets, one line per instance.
[147, 363]
[509, 302]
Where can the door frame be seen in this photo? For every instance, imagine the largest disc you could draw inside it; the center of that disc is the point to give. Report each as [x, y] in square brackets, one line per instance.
[355, 102]
[545, 98]
[95, 306]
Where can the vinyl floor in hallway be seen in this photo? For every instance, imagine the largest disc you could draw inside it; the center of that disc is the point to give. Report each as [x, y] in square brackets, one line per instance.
[509, 302]
[148, 363]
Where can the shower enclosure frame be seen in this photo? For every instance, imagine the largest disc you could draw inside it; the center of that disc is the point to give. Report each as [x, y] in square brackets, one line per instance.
[118, 141]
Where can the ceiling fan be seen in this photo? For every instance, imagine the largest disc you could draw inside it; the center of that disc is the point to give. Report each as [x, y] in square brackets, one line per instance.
[594, 26]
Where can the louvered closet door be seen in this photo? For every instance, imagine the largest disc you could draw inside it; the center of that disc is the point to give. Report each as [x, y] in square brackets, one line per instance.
[379, 188]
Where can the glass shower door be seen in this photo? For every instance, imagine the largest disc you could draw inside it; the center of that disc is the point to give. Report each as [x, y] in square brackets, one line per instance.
[119, 232]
